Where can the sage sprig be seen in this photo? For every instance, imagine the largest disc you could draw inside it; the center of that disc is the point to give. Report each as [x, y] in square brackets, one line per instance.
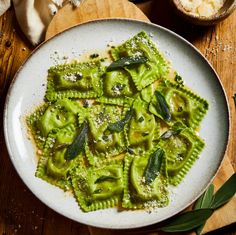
[127, 61]
[78, 144]
[204, 208]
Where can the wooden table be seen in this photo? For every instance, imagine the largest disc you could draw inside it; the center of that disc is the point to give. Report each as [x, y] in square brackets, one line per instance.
[20, 211]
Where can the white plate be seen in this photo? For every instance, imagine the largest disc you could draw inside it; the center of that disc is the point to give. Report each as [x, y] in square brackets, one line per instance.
[26, 92]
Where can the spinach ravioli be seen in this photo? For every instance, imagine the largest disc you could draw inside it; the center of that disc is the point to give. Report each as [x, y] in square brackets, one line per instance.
[117, 132]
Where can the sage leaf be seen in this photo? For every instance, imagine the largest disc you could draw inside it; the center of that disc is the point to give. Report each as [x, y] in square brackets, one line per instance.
[78, 144]
[225, 193]
[204, 202]
[206, 199]
[106, 178]
[187, 221]
[119, 125]
[169, 133]
[153, 166]
[127, 61]
[162, 106]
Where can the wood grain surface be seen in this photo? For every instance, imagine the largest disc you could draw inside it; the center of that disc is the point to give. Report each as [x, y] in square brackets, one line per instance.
[91, 10]
[20, 211]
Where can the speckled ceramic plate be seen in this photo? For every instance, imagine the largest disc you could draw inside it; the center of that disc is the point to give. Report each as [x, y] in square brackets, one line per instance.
[27, 91]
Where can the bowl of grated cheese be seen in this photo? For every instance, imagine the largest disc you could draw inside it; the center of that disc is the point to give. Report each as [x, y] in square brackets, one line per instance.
[204, 12]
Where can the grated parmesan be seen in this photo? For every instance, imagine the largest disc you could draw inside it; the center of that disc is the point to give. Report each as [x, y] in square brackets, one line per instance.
[204, 8]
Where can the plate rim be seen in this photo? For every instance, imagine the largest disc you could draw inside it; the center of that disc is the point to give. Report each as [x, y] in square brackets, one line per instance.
[116, 19]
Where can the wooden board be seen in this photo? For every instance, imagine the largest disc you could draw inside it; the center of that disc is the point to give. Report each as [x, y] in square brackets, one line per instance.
[121, 8]
[91, 10]
[21, 212]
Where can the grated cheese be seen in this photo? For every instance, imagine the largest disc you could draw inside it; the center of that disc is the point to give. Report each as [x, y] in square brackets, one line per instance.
[204, 8]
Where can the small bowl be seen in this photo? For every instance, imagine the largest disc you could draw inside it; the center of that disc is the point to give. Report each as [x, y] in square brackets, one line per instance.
[223, 12]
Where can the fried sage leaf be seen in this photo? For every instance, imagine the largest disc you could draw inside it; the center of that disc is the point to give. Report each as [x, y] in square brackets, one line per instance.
[162, 106]
[78, 144]
[187, 221]
[153, 166]
[105, 178]
[127, 61]
[225, 193]
[119, 126]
